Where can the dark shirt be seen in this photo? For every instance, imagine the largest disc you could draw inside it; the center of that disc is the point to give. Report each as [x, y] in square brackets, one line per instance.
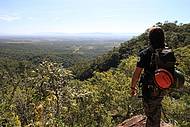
[149, 68]
[145, 56]
[145, 63]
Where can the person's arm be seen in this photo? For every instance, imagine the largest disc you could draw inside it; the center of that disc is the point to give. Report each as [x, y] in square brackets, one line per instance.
[134, 81]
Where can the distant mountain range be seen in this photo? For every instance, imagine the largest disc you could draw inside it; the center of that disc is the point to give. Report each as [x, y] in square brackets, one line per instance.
[86, 34]
[56, 34]
[51, 36]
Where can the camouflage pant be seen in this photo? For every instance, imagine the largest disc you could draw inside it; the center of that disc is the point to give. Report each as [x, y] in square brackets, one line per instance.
[152, 109]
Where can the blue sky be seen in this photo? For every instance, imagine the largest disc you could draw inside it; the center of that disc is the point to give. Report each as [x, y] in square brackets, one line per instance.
[83, 16]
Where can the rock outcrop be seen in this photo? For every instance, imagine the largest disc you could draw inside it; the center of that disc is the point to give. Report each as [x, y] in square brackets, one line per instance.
[139, 121]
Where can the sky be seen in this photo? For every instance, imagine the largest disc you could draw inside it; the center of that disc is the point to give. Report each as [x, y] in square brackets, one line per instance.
[88, 16]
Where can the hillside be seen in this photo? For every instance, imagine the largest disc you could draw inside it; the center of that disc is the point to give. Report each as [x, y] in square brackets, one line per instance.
[176, 36]
[49, 95]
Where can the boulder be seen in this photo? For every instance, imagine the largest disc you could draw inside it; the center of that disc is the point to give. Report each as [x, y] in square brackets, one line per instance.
[139, 121]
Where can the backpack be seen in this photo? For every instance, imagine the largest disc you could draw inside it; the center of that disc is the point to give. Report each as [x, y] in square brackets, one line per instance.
[164, 61]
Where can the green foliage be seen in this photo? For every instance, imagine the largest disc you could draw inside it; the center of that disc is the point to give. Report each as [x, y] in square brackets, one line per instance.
[28, 92]
[183, 59]
[177, 111]
[68, 52]
[46, 94]
[176, 36]
[128, 65]
[107, 98]
[102, 63]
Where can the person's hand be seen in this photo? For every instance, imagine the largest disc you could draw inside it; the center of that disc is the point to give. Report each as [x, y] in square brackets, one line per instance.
[133, 91]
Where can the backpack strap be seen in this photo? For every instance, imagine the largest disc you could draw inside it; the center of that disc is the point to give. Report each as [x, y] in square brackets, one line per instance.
[157, 55]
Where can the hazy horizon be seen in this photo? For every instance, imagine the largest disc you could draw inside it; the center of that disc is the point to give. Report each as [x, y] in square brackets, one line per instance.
[23, 17]
[59, 34]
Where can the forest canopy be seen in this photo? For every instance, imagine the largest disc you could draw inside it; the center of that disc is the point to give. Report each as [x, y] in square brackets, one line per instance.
[95, 93]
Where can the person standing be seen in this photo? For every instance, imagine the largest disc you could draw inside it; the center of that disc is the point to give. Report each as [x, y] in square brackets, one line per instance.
[151, 95]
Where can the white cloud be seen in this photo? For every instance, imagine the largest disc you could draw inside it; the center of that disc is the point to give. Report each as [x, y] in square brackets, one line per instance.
[9, 17]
